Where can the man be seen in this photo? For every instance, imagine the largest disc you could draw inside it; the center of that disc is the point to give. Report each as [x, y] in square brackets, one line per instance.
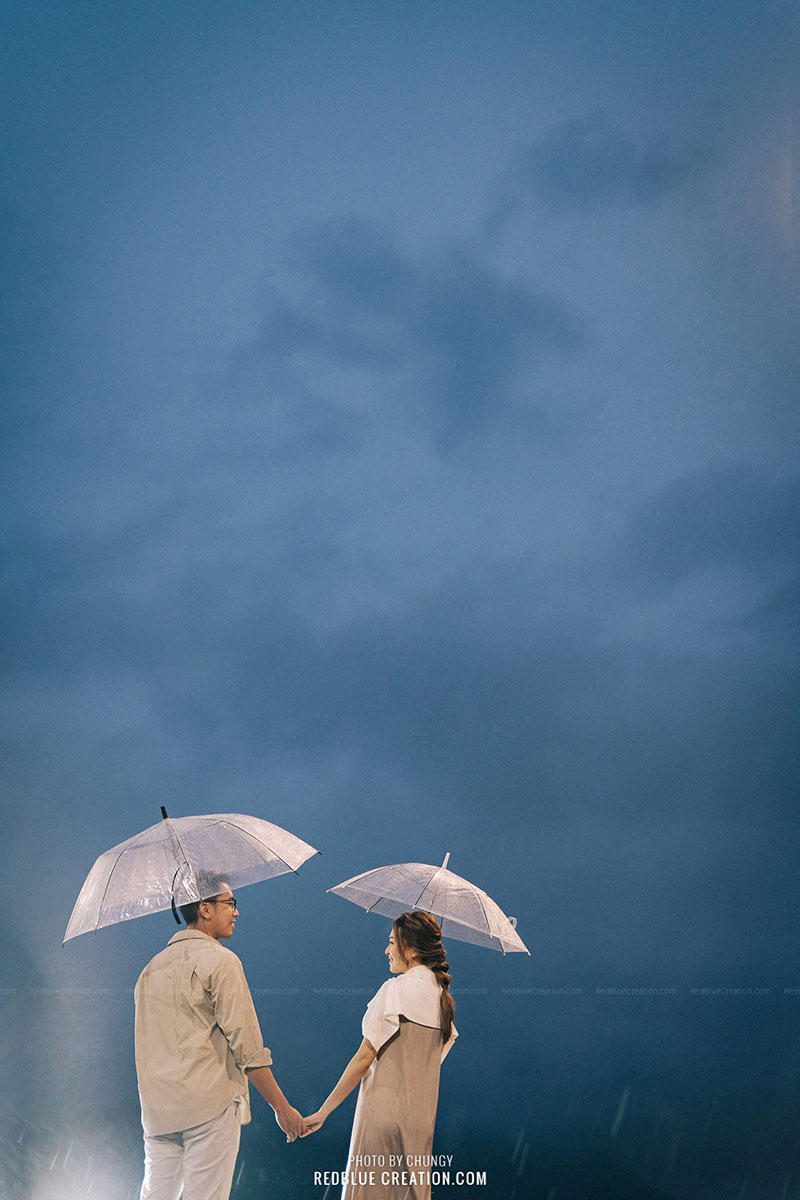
[198, 1045]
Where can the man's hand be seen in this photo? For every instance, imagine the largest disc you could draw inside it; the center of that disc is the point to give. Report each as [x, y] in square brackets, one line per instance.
[313, 1123]
[290, 1121]
[287, 1117]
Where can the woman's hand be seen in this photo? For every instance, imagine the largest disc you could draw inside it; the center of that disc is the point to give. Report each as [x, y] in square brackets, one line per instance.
[313, 1123]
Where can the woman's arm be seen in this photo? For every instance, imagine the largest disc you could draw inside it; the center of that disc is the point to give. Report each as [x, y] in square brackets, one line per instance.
[353, 1073]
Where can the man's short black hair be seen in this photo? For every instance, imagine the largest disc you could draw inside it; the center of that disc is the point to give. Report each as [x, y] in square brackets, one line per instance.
[208, 885]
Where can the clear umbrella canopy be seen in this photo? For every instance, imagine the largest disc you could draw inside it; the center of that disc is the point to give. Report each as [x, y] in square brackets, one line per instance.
[165, 865]
[464, 911]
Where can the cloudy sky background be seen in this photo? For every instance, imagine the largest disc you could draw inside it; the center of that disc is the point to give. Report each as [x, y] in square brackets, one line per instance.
[400, 443]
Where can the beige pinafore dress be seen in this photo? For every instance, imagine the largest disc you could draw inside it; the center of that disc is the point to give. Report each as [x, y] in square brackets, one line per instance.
[396, 1109]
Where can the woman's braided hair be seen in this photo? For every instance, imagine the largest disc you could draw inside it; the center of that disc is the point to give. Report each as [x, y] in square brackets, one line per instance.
[420, 931]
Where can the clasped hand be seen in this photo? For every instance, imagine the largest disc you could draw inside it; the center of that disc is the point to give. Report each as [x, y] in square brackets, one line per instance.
[291, 1122]
[312, 1123]
[294, 1125]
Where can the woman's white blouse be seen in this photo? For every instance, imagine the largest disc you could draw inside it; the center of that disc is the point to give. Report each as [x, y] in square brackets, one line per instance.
[413, 995]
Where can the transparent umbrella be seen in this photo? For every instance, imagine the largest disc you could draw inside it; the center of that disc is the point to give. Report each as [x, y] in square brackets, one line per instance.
[158, 868]
[464, 911]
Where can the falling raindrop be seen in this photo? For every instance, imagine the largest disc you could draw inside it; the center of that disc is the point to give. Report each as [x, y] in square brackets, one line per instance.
[673, 1153]
[710, 1117]
[623, 1104]
[653, 1140]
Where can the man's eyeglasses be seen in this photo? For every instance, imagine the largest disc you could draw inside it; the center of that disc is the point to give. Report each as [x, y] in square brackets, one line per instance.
[231, 902]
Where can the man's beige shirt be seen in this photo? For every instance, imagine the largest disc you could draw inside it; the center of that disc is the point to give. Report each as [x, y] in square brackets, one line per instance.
[196, 1033]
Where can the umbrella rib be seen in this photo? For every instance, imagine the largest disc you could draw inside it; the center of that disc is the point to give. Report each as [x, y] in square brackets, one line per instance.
[238, 833]
[110, 873]
[486, 919]
[105, 889]
[427, 885]
[186, 863]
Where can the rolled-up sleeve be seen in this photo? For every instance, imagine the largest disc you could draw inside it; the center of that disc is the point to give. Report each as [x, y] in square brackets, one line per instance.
[236, 1015]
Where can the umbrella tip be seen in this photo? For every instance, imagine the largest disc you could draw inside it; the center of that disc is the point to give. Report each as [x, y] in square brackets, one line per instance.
[446, 860]
[164, 813]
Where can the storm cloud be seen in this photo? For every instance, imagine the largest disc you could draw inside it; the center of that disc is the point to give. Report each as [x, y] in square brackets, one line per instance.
[400, 421]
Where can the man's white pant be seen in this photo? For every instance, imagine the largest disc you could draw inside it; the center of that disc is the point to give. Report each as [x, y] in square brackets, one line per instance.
[199, 1160]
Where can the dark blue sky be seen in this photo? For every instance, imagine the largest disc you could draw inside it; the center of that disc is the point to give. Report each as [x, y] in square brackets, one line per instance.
[399, 434]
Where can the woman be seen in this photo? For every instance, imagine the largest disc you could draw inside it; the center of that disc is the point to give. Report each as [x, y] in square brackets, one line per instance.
[407, 1030]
